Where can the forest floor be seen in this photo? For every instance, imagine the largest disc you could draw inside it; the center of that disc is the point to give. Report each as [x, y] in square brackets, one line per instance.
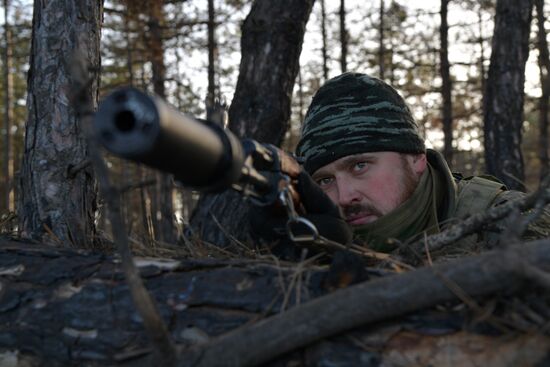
[69, 306]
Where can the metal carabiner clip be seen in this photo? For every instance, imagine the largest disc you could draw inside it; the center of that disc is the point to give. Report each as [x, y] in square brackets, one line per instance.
[299, 229]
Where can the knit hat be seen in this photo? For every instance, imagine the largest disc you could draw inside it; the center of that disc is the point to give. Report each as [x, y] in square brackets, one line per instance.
[354, 113]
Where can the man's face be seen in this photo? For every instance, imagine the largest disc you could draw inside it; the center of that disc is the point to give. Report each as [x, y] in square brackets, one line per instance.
[369, 185]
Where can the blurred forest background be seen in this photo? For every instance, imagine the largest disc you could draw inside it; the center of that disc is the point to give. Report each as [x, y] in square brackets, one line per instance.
[436, 53]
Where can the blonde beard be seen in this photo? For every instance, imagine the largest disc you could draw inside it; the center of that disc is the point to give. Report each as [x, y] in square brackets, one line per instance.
[409, 180]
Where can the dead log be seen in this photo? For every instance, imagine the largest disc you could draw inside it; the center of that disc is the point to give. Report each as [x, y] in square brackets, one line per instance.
[71, 307]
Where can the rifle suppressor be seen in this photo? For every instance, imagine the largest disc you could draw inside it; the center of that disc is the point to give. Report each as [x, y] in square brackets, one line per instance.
[145, 129]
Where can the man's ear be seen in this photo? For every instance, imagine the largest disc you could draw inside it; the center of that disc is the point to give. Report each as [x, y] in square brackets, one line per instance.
[419, 163]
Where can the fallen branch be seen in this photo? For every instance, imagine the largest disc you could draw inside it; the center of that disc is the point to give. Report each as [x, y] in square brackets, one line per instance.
[365, 303]
[476, 222]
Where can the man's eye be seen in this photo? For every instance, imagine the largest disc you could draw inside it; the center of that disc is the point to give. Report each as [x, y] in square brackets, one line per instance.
[359, 166]
[324, 181]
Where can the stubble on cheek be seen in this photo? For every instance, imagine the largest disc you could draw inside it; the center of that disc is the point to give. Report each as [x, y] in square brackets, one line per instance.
[409, 182]
[407, 186]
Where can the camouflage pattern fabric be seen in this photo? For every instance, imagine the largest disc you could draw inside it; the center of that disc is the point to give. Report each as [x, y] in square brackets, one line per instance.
[476, 194]
[537, 229]
[355, 113]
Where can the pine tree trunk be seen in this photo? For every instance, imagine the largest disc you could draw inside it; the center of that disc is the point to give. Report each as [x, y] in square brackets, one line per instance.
[504, 96]
[446, 87]
[544, 67]
[58, 204]
[271, 44]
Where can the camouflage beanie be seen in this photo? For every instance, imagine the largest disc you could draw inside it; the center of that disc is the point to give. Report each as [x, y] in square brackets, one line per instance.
[354, 113]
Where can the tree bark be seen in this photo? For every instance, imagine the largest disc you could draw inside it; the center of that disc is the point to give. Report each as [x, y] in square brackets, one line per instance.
[58, 204]
[544, 67]
[271, 44]
[504, 96]
[446, 86]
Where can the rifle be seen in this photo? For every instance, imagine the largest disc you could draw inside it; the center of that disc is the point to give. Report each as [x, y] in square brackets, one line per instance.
[200, 154]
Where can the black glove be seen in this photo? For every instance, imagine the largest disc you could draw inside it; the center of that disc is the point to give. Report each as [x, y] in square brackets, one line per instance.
[269, 225]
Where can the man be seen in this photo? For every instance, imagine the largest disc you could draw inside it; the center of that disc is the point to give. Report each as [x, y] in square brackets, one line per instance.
[361, 145]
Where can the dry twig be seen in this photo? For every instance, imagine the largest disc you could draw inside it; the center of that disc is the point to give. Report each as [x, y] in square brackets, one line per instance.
[165, 351]
[475, 222]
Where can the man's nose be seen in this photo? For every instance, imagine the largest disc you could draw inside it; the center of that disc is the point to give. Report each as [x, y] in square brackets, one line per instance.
[347, 194]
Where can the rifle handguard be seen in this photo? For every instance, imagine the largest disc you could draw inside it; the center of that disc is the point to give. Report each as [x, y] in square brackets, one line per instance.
[201, 155]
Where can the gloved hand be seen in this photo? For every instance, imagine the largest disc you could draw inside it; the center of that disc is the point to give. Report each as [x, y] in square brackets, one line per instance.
[269, 225]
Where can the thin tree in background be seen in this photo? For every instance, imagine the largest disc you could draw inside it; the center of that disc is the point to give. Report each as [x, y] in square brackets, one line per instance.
[212, 51]
[156, 39]
[155, 56]
[58, 193]
[7, 171]
[446, 83]
[137, 51]
[504, 96]
[343, 38]
[263, 116]
[162, 193]
[482, 71]
[395, 17]
[381, 40]
[301, 102]
[125, 176]
[137, 206]
[544, 67]
[128, 21]
[324, 40]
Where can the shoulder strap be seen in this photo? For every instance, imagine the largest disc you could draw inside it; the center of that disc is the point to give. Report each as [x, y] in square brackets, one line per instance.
[476, 193]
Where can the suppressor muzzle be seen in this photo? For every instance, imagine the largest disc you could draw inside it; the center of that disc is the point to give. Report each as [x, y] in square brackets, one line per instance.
[145, 129]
